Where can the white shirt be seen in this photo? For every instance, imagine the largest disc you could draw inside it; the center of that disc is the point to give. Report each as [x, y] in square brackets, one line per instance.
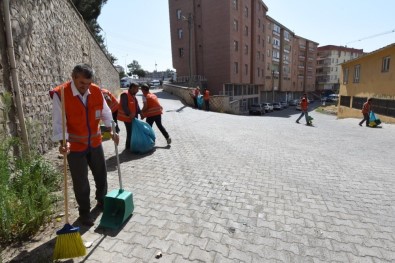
[106, 115]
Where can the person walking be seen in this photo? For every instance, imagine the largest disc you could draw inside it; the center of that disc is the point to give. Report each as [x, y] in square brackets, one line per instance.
[128, 110]
[304, 104]
[206, 98]
[85, 107]
[195, 94]
[153, 111]
[113, 104]
[366, 108]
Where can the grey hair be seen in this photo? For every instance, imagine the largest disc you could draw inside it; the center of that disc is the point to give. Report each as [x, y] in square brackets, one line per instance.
[83, 69]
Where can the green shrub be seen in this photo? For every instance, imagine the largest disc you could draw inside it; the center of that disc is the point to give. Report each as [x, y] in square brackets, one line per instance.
[26, 187]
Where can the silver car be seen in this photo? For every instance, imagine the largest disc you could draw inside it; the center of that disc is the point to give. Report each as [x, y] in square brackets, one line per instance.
[267, 106]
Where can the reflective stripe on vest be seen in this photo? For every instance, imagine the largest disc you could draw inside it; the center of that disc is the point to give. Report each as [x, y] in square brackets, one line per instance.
[82, 121]
[153, 106]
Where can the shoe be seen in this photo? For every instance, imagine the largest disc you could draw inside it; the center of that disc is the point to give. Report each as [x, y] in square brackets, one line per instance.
[360, 125]
[99, 206]
[86, 220]
[297, 122]
[168, 140]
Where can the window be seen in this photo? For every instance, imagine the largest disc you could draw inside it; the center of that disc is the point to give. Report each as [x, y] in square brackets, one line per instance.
[259, 72]
[246, 49]
[246, 69]
[276, 54]
[236, 45]
[236, 68]
[178, 13]
[235, 4]
[276, 28]
[246, 30]
[181, 52]
[259, 23]
[268, 39]
[258, 55]
[180, 33]
[235, 25]
[357, 73]
[276, 42]
[259, 39]
[246, 11]
[386, 64]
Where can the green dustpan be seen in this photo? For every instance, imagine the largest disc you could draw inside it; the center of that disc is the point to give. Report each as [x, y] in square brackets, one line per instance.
[118, 204]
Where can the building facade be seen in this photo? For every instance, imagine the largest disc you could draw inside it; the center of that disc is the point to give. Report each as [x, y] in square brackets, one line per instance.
[329, 59]
[239, 50]
[369, 76]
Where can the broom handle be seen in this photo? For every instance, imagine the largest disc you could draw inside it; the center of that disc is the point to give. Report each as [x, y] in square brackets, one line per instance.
[116, 152]
[64, 143]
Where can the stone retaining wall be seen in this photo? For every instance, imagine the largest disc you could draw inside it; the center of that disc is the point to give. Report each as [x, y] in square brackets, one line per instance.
[50, 38]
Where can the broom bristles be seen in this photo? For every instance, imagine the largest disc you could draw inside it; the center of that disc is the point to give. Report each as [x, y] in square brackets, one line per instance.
[69, 243]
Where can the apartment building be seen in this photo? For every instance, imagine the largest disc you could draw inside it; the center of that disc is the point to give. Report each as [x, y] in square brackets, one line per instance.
[239, 50]
[329, 59]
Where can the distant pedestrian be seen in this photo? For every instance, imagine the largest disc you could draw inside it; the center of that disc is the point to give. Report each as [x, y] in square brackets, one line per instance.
[304, 105]
[195, 94]
[128, 110]
[153, 111]
[113, 104]
[366, 108]
[206, 98]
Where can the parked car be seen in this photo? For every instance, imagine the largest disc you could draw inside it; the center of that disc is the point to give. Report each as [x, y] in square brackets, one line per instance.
[277, 106]
[284, 104]
[256, 109]
[267, 106]
[154, 84]
[293, 102]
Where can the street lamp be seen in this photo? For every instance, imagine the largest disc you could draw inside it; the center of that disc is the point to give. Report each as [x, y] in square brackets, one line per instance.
[125, 63]
[190, 21]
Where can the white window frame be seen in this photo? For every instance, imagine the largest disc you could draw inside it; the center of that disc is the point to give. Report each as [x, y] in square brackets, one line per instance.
[357, 73]
[385, 67]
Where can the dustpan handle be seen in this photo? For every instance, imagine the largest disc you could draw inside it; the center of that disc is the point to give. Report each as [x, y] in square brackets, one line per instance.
[116, 152]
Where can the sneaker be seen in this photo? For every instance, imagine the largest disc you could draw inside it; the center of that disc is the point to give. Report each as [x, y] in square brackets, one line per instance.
[297, 122]
[168, 140]
[360, 124]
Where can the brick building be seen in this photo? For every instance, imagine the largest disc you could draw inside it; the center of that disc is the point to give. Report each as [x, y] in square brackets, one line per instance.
[239, 50]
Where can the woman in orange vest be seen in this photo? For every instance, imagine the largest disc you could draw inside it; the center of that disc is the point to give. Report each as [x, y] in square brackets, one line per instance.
[129, 109]
[152, 110]
[85, 107]
[304, 105]
[113, 104]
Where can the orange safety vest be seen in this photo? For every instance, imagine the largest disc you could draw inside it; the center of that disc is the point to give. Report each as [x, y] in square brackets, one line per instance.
[112, 102]
[132, 108]
[206, 95]
[153, 106]
[82, 121]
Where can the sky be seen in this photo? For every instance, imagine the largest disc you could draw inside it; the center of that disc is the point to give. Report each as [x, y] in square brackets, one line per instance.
[140, 29]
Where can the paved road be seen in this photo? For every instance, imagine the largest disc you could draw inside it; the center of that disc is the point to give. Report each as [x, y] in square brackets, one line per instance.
[255, 189]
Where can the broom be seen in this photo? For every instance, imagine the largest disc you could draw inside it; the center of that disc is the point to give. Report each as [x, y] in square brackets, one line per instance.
[68, 241]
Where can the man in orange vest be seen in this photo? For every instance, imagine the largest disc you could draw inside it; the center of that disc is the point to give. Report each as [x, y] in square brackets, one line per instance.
[85, 107]
[366, 108]
[206, 98]
[129, 109]
[113, 104]
[152, 110]
[304, 105]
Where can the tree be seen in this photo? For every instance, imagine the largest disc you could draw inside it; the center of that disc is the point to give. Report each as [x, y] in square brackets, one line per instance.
[134, 66]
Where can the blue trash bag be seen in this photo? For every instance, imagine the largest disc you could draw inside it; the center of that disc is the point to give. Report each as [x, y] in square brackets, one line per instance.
[200, 101]
[143, 137]
[373, 120]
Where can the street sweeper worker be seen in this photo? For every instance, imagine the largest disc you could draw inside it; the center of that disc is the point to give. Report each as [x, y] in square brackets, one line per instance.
[85, 106]
[113, 104]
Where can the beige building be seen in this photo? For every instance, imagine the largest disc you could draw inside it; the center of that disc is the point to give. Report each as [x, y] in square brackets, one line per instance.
[239, 50]
[369, 76]
[329, 59]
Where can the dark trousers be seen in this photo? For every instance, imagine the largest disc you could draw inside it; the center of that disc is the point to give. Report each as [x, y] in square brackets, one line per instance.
[306, 114]
[365, 118]
[158, 121]
[207, 103]
[195, 102]
[114, 117]
[78, 164]
[128, 126]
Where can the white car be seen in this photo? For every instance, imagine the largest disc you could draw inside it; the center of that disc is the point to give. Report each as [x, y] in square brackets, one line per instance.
[277, 106]
[154, 84]
[267, 106]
